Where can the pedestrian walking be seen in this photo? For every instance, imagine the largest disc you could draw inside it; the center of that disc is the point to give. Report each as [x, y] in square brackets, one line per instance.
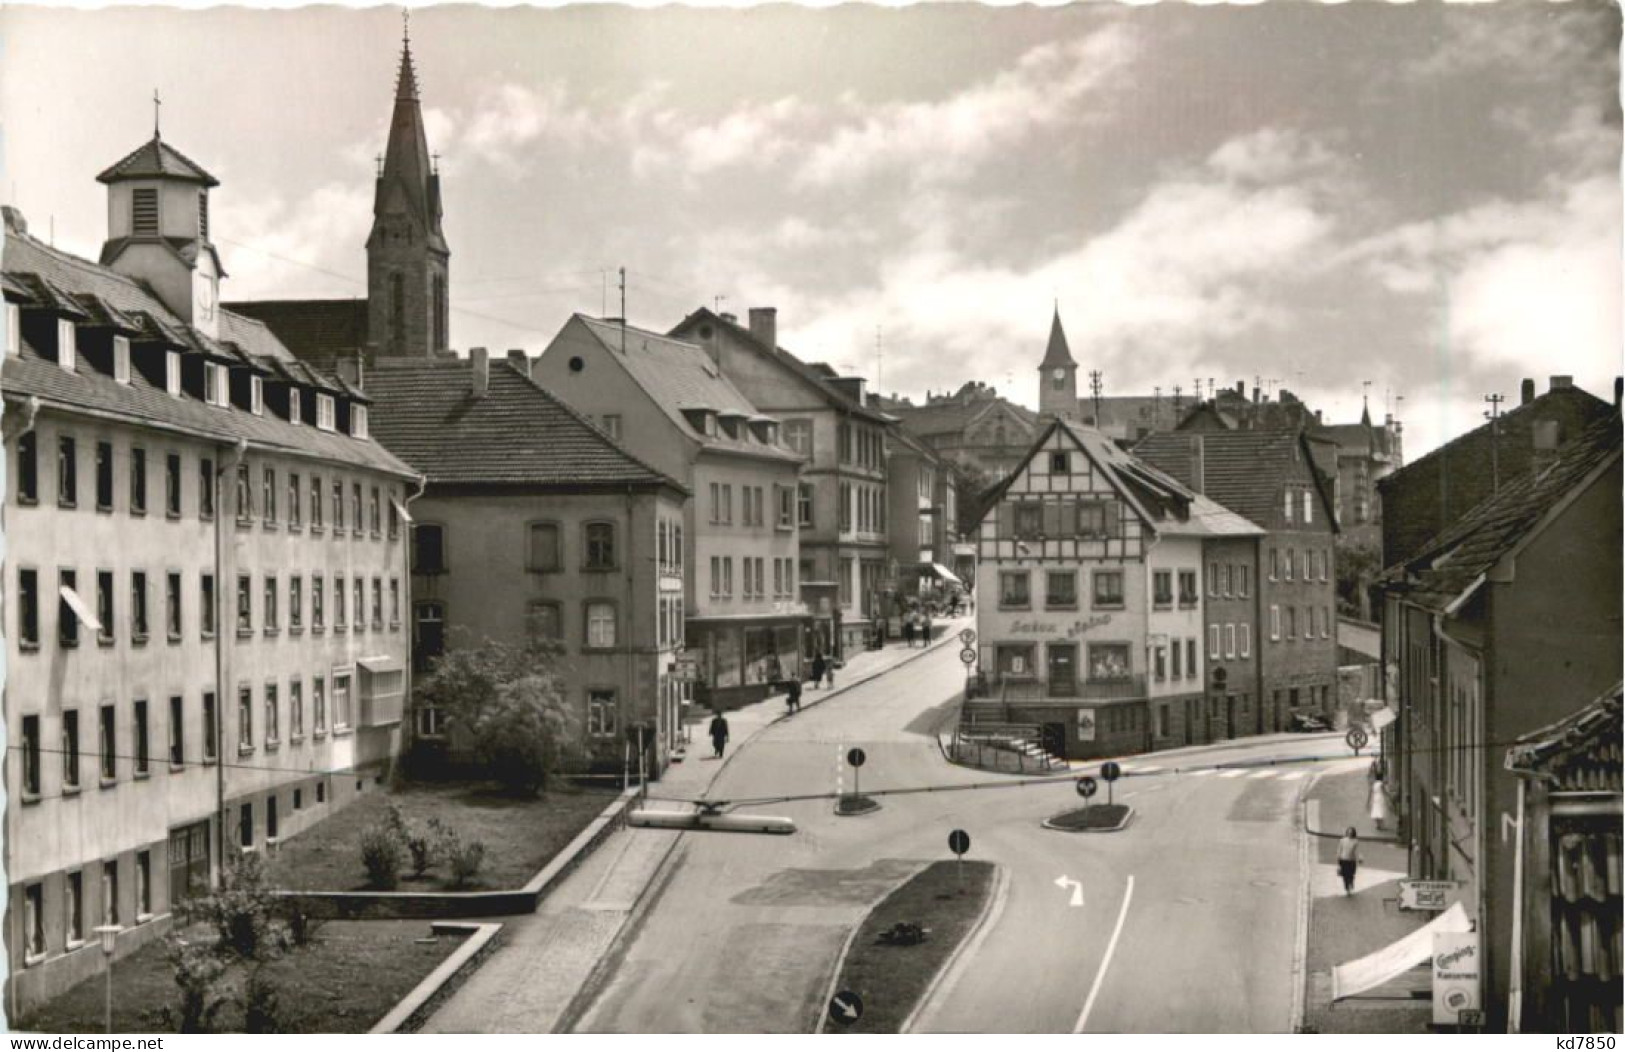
[829, 675]
[1348, 859]
[719, 733]
[908, 631]
[1379, 804]
[818, 667]
[792, 695]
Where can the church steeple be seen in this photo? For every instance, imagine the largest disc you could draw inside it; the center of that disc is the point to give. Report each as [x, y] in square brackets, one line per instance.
[407, 255]
[1058, 375]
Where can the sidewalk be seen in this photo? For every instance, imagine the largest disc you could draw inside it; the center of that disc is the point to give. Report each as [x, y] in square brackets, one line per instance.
[547, 958]
[1344, 927]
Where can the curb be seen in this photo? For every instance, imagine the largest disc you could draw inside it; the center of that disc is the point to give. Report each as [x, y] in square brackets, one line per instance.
[466, 958]
[1127, 821]
[992, 909]
[846, 948]
[1300, 948]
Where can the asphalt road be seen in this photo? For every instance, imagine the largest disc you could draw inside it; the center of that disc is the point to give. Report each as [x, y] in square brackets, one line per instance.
[743, 931]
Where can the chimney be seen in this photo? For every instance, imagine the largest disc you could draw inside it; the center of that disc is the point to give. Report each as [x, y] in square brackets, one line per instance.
[1562, 383]
[1527, 393]
[15, 222]
[1198, 467]
[349, 368]
[1619, 389]
[519, 360]
[764, 325]
[1241, 390]
[1255, 394]
[851, 386]
[482, 371]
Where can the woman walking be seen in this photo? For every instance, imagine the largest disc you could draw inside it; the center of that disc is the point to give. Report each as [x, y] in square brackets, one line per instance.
[1348, 859]
[818, 667]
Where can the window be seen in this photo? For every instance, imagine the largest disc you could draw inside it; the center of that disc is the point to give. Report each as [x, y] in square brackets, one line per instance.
[1061, 590]
[1325, 622]
[177, 731]
[31, 756]
[804, 504]
[341, 700]
[798, 435]
[138, 606]
[1162, 587]
[542, 549]
[1230, 641]
[28, 467]
[73, 908]
[211, 724]
[1275, 564]
[375, 514]
[394, 602]
[1213, 638]
[1309, 622]
[14, 336]
[34, 920]
[67, 472]
[318, 605]
[216, 384]
[1029, 520]
[1097, 519]
[67, 344]
[377, 603]
[144, 211]
[1059, 464]
[245, 825]
[1190, 658]
[429, 633]
[268, 608]
[296, 603]
[601, 712]
[138, 481]
[1108, 588]
[1308, 506]
[1108, 662]
[315, 504]
[394, 513]
[1292, 622]
[1212, 580]
[355, 507]
[296, 406]
[1289, 505]
[104, 605]
[107, 742]
[428, 548]
[245, 604]
[358, 421]
[142, 743]
[1159, 662]
[338, 505]
[1325, 565]
[104, 476]
[341, 617]
[28, 607]
[785, 498]
[172, 606]
[67, 620]
[245, 718]
[359, 590]
[318, 706]
[296, 496]
[70, 749]
[1275, 622]
[1177, 650]
[545, 620]
[172, 373]
[273, 727]
[1014, 593]
[1224, 580]
[324, 412]
[1244, 641]
[256, 396]
[1289, 562]
[1244, 580]
[296, 709]
[143, 884]
[600, 625]
[600, 545]
[205, 491]
[1187, 588]
[245, 495]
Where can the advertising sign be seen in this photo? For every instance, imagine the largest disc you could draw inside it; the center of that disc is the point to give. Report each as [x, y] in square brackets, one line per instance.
[1086, 725]
[686, 670]
[1427, 894]
[1456, 967]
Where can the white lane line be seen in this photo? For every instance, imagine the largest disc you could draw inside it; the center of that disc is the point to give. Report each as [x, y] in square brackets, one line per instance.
[1111, 947]
[1266, 774]
[1293, 776]
[1201, 772]
[1232, 774]
[1143, 770]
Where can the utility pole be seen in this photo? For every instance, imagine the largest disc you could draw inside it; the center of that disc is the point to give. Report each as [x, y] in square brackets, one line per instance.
[1156, 409]
[1493, 415]
[623, 311]
[1094, 391]
[1177, 400]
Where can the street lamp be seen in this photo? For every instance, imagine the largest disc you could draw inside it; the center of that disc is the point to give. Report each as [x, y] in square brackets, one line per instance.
[108, 933]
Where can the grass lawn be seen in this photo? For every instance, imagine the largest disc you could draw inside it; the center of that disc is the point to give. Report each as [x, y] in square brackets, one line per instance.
[891, 979]
[520, 836]
[850, 804]
[344, 982]
[1099, 816]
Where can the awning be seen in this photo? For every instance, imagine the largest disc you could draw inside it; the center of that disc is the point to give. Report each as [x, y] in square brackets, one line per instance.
[400, 509]
[1374, 969]
[80, 609]
[944, 573]
[380, 663]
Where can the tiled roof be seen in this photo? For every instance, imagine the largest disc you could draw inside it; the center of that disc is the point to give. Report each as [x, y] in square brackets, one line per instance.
[242, 342]
[678, 375]
[1242, 470]
[1448, 566]
[952, 418]
[1578, 753]
[320, 332]
[808, 373]
[157, 158]
[517, 434]
[1148, 411]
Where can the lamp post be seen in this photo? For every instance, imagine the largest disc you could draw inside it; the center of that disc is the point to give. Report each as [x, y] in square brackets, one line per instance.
[108, 933]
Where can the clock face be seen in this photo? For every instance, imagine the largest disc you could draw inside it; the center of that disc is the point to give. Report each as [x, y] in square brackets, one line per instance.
[1060, 373]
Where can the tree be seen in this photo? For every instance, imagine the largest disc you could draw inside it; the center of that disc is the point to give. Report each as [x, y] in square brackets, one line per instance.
[971, 483]
[1357, 568]
[511, 702]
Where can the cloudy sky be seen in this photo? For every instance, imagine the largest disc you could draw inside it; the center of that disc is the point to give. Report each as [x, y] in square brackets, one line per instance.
[1421, 196]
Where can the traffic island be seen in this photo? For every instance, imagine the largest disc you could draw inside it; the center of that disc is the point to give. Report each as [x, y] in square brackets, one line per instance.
[905, 941]
[1101, 818]
[851, 805]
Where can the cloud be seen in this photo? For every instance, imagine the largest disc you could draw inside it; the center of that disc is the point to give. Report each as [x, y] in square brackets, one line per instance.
[285, 248]
[506, 124]
[1542, 42]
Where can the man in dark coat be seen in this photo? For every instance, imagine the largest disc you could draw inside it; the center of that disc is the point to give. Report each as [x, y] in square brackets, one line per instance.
[818, 667]
[792, 696]
[719, 733]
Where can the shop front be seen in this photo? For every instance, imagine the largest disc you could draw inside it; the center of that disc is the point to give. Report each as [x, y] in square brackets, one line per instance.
[740, 660]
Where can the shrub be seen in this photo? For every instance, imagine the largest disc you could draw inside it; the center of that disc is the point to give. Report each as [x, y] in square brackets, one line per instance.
[465, 860]
[242, 912]
[198, 974]
[303, 924]
[262, 1005]
[381, 850]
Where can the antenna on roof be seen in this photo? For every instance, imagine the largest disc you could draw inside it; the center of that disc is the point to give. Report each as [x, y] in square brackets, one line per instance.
[716, 303]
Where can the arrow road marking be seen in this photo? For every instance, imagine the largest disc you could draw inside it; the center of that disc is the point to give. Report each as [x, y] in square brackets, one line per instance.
[1063, 882]
[1111, 947]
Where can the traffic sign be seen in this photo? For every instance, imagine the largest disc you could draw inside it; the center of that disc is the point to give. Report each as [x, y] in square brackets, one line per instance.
[1110, 771]
[959, 841]
[968, 656]
[855, 757]
[1357, 738]
[967, 636]
[1087, 787]
[846, 1008]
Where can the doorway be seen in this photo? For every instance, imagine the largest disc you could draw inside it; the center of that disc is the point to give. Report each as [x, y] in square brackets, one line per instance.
[1063, 670]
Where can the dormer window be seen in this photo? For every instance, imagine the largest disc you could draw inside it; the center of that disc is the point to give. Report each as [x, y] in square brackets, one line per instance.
[144, 211]
[121, 359]
[216, 384]
[324, 412]
[67, 344]
[295, 406]
[358, 421]
[172, 372]
[256, 395]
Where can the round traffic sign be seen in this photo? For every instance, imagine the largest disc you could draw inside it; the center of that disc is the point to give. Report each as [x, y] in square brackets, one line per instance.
[1087, 787]
[959, 841]
[1357, 738]
[968, 656]
[967, 636]
[855, 757]
[1110, 771]
[846, 1008]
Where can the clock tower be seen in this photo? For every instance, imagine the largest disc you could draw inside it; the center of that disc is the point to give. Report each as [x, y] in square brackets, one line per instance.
[1057, 376]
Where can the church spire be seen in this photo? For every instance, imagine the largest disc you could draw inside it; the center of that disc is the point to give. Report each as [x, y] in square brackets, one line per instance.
[1057, 375]
[406, 83]
[1058, 355]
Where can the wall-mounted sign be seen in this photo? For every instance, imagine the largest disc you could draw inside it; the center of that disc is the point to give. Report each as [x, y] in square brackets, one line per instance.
[1427, 894]
[1456, 970]
[1086, 725]
[1071, 630]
